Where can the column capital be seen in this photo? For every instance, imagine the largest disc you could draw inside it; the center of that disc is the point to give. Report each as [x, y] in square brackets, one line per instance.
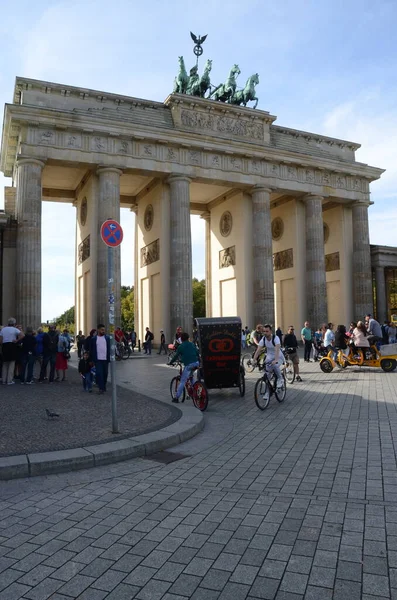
[312, 197]
[173, 178]
[26, 160]
[260, 188]
[105, 169]
[134, 208]
[363, 203]
[206, 216]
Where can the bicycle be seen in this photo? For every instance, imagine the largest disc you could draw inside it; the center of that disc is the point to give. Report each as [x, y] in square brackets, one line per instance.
[266, 386]
[197, 391]
[250, 364]
[288, 366]
[122, 351]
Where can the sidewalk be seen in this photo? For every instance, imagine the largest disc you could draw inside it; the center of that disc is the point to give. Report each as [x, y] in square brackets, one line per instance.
[294, 503]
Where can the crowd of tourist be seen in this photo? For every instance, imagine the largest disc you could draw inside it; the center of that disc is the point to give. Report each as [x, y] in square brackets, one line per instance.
[318, 342]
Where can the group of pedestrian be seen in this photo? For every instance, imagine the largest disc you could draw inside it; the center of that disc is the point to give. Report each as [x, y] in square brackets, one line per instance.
[22, 348]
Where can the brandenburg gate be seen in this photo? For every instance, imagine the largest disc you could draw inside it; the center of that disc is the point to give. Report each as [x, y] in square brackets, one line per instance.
[286, 211]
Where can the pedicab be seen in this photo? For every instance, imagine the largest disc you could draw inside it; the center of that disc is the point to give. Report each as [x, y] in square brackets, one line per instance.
[219, 341]
[384, 357]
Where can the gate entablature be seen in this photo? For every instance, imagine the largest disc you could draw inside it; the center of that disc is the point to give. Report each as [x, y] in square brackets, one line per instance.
[196, 137]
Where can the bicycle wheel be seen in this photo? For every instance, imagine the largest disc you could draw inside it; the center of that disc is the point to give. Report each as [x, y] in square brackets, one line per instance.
[200, 396]
[282, 391]
[174, 386]
[126, 353]
[248, 363]
[262, 393]
[289, 370]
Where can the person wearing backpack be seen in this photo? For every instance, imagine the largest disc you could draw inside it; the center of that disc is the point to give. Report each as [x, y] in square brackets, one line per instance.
[50, 349]
[274, 356]
[149, 337]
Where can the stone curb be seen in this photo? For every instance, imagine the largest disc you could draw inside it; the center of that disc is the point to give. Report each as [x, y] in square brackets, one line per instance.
[45, 463]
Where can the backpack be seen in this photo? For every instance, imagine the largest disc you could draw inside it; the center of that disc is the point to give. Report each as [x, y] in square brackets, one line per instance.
[151, 336]
[53, 343]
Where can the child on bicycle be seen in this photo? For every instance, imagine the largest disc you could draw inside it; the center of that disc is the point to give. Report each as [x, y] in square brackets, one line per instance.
[186, 353]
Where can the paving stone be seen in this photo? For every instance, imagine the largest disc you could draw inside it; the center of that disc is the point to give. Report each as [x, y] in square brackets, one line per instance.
[236, 591]
[299, 564]
[244, 574]
[14, 591]
[318, 593]
[122, 592]
[36, 575]
[140, 576]
[347, 590]
[199, 567]
[265, 588]
[215, 579]
[377, 585]
[294, 582]
[322, 577]
[349, 570]
[45, 589]
[185, 585]
[153, 590]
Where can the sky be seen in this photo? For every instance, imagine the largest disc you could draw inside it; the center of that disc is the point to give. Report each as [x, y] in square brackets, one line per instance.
[325, 66]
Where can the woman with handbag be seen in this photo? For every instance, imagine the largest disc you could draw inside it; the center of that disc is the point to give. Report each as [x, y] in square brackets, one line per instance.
[61, 363]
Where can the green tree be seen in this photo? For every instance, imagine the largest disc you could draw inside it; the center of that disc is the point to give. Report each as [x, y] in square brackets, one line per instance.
[66, 320]
[127, 307]
[198, 298]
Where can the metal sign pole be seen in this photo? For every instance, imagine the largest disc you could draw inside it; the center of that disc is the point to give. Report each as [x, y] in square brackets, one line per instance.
[115, 425]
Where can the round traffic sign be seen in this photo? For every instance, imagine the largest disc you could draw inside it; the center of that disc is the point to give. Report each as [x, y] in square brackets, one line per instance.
[112, 233]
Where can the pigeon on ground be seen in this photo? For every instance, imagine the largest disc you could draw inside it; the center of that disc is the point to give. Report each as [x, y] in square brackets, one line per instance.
[51, 415]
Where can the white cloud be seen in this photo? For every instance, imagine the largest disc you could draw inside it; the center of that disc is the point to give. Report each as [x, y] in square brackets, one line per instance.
[369, 121]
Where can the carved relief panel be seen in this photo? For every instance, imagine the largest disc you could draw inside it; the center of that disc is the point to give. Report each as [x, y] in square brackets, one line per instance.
[227, 257]
[84, 250]
[283, 260]
[332, 262]
[150, 253]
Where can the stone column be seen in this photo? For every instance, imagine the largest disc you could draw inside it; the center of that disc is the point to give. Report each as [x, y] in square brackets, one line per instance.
[108, 208]
[208, 269]
[134, 209]
[263, 278]
[316, 285]
[181, 294]
[28, 263]
[362, 271]
[381, 300]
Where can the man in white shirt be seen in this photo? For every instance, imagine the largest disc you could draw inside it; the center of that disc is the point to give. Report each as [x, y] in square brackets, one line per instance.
[100, 355]
[274, 356]
[9, 336]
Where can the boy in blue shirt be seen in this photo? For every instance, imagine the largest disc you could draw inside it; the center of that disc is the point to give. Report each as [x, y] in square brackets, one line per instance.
[188, 355]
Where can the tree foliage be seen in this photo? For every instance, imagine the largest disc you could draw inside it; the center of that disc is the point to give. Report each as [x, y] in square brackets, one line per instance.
[127, 307]
[198, 298]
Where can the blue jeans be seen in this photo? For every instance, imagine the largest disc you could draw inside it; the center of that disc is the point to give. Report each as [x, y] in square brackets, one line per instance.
[48, 358]
[87, 381]
[28, 361]
[101, 367]
[184, 377]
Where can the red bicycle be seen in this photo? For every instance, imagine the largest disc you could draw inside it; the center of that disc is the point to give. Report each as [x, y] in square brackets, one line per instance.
[196, 390]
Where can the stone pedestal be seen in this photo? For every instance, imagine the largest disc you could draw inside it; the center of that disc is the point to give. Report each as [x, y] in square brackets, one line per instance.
[381, 300]
[181, 294]
[108, 208]
[362, 272]
[28, 265]
[263, 279]
[316, 285]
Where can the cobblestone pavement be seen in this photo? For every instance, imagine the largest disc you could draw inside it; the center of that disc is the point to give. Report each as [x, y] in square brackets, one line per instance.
[85, 419]
[296, 502]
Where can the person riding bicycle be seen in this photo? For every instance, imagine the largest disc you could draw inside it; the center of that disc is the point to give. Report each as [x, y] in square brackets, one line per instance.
[257, 335]
[119, 335]
[186, 353]
[274, 356]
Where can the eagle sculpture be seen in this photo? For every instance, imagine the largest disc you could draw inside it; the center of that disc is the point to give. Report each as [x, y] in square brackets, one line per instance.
[198, 40]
